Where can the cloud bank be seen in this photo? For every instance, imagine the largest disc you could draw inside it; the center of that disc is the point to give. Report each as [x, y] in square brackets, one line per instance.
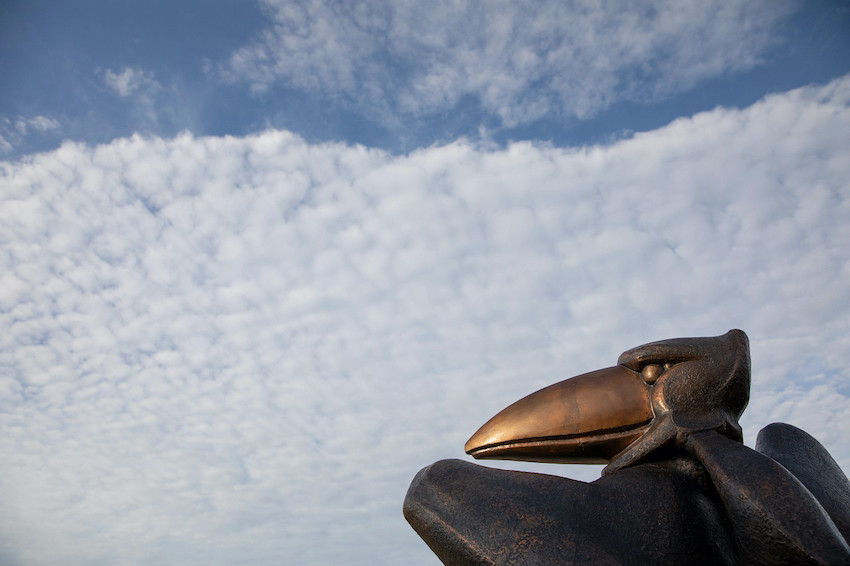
[519, 61]
[217, 350]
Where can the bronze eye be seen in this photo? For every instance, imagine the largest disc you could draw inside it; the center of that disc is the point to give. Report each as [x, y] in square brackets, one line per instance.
[651, 372]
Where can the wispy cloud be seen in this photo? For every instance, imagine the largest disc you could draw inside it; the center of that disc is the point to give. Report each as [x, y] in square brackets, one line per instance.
[14, 131]
[242, 349]
[130, 80]
[152, 107]
[519, 60]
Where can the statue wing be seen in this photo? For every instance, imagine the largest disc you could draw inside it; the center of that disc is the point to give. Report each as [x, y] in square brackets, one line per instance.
[810, 463]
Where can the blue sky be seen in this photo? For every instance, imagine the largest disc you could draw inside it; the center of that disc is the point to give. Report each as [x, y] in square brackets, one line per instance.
[218, 68]
[261, 262]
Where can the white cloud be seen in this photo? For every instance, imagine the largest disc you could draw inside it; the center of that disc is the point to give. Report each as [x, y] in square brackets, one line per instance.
[153, 108]
[242, 349]
[519, 60]
[14, 132]
[129, 81]
[39, 124]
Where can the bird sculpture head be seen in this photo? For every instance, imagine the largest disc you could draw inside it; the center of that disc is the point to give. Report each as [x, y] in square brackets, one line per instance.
[654, 397]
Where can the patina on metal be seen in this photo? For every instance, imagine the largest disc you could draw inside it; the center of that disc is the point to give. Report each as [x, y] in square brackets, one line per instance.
[680, 486]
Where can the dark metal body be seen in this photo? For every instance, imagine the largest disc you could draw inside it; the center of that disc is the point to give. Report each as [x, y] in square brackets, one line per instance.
[680, 487]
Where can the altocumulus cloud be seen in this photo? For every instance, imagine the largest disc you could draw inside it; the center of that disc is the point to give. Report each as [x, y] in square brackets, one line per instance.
[520, 61]
[217, 350]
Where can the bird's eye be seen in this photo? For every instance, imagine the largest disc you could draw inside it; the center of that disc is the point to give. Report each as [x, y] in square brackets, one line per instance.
[652, 372]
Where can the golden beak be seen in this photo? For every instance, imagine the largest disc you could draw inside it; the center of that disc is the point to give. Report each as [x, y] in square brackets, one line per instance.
[587, 419]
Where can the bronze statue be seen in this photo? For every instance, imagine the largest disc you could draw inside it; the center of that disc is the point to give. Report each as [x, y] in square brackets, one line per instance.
[680, 486]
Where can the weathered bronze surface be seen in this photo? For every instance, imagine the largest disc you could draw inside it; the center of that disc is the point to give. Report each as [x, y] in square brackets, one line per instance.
[679, 488]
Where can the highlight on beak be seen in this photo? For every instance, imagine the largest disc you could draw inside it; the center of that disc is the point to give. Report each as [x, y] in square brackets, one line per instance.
[586, 419]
